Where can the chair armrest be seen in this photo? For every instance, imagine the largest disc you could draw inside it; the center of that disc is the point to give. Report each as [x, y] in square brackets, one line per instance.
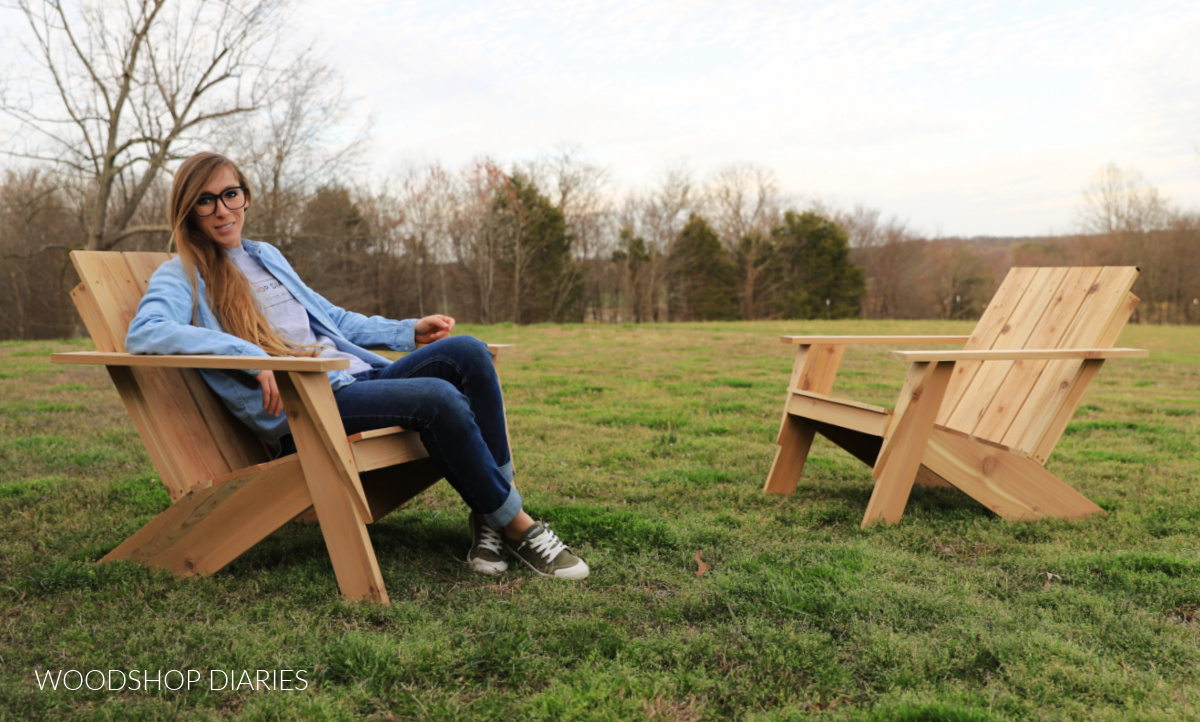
[861, 340]
[1019, 354]
[202, 361]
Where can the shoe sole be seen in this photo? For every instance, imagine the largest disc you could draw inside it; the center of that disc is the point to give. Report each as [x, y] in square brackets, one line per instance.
[486, 567]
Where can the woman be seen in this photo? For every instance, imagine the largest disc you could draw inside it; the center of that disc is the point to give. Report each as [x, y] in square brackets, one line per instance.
[226, 295]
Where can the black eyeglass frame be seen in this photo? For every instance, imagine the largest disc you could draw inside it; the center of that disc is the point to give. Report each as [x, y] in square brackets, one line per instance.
[220, 198]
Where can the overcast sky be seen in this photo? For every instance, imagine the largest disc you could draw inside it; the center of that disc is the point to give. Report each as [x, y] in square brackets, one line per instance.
[963, 117]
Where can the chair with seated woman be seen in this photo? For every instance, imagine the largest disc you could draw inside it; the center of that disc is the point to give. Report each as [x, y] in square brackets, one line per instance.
[225, 296]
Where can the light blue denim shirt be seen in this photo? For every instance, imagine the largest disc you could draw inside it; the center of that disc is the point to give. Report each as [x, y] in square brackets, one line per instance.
[163, 325]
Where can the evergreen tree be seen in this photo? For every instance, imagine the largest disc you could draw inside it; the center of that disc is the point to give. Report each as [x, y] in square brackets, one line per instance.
[703, 279]
[546, 284]
[819, 279]
[334, 251]
[333, 220]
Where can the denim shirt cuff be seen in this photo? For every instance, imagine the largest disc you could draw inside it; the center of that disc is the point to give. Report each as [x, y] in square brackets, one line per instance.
[406, 336]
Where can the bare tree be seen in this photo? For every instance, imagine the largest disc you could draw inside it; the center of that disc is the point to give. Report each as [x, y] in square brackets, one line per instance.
[475, 238]
[575, 186]
[119, 90]
[1179, 277]
[742, 198]
[631, 260]
[957, 278]
[424, 205]
[35, 215]
[292, 146]
[891, 256]
[1133, 224]
[1119, 200]
[744, 204]
[662, 216]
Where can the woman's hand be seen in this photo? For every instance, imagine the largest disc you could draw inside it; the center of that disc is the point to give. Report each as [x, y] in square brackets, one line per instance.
[432, 328]
[272, 401]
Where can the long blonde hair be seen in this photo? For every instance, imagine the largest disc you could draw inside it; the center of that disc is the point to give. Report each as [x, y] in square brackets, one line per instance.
[229, 294]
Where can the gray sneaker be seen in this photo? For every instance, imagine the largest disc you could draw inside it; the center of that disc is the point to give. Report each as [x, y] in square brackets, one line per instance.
[542, 552]
[487, 549]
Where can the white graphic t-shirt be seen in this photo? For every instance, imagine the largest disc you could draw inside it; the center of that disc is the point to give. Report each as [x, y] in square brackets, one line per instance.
[284, 312]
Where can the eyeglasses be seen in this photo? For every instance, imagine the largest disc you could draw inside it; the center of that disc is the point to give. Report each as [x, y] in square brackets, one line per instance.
[234, 198]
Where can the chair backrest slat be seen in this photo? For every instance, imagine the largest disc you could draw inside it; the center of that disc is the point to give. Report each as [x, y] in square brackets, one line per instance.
[188, 433]
[1010, 402]
[1019, 326]
[142, 266]
[1043, 436]
[992, 324]
[94, 321]
[1044, 325]
[1098, 324]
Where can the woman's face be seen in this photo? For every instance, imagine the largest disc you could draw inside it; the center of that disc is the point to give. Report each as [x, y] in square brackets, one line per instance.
[224, 226]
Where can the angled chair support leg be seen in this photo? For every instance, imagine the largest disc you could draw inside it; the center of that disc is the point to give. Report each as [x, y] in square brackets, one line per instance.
[1014, 486]
[900, 458]
[795, 440]
[211, 526]
[333, 483]
[814, 369]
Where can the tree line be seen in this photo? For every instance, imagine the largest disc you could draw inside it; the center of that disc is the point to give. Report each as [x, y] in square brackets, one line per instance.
[547, 242]
[110, 102]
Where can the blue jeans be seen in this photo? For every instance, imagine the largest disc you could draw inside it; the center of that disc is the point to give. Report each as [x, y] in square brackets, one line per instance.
[449, 393]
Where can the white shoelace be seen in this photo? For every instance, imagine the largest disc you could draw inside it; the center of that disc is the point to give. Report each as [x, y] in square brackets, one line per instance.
[489, 539]
[547, 544]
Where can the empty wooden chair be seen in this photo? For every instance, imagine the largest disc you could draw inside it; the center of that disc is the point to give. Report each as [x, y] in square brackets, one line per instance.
[983, 419]
[226, 493]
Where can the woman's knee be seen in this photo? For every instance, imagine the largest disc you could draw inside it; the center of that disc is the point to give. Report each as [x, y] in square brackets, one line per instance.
[470, 349]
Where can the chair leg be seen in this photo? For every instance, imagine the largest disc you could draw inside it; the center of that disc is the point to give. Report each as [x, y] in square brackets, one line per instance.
[795, 440]
[1014, 486]
[813, 369]
[908, 436]
[332, 483]
[210, 527]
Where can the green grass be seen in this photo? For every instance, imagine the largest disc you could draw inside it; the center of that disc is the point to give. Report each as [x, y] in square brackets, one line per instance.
[646, 447]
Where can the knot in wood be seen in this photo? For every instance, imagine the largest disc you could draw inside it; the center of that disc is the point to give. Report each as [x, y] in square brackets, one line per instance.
[989, 465]
[1064, 385]
[189, 564]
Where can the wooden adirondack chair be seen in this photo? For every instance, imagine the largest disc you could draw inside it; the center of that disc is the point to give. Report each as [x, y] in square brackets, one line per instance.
[227, 494]
[983, 419]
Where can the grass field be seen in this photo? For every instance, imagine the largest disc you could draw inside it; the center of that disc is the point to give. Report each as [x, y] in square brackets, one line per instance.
[644, 446]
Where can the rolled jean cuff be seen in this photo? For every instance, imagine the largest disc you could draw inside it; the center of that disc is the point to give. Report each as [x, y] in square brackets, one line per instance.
[507, 472]
[506, 513]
